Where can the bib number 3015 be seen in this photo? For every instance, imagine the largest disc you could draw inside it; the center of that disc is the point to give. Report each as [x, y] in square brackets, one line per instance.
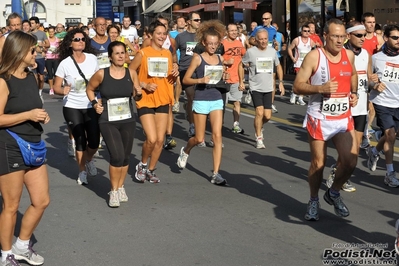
[335, 106]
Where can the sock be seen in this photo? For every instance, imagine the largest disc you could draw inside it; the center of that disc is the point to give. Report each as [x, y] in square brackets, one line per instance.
[4, 254]
[390, 168]
[144, 164]
[374, 151]
[168, 136]
[236, 123]
[40, 92]
[22, 244]
[314, 198]
[334, 193]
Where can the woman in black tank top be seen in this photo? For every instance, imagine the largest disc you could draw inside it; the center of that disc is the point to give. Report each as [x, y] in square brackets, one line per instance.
[117, 120]
[21, 112]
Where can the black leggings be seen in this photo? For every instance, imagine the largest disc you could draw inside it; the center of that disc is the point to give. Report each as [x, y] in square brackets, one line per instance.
[51, 66]
[83, 124]
[119, 141]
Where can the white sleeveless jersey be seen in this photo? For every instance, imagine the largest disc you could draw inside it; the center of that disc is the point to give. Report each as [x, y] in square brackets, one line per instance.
[301, 50]
[361, 64]
[167, 43]
[387, 69]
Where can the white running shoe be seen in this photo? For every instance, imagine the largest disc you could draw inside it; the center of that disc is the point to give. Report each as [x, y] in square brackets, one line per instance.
[300, 101]
[182, 160]
[82, 178]
[292, 98]
[113, 199]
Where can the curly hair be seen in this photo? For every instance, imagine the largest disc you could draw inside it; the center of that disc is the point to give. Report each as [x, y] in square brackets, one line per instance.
[65, 50]
[211, 27]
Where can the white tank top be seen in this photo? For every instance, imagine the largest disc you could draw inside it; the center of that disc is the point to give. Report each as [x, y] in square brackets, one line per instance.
[301, 50]
[361, 64]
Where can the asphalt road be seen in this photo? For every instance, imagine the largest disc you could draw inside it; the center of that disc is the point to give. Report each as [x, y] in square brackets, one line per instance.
[257, 219]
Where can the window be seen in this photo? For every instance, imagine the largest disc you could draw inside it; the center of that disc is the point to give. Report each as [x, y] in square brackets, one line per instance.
[72, 2]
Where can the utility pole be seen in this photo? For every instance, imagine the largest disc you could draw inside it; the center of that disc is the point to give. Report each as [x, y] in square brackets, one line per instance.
[94, 9]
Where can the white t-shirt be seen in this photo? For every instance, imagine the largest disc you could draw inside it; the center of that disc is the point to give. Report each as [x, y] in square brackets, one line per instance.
[130, 33]
[67, 70]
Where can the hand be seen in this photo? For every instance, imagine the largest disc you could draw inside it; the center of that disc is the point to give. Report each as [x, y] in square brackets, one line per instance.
[241, 87]
[67, 88]
[281, 88]
[374, 78]
[98, 107]
[330, 86]
[38, 115]
[151, 87]
[139, 90]
[205, 79]
[175, 70]
[353, 99]
[380, 87]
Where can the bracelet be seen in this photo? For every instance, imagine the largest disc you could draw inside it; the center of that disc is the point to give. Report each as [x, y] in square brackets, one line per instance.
[138, 97]
[94, 102]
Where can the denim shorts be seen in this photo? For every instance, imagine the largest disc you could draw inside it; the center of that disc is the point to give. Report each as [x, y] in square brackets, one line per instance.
[205, 107]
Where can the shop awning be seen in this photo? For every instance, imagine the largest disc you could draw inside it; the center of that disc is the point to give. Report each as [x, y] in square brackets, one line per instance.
[242, 5]
[159, 6]
[189, 9]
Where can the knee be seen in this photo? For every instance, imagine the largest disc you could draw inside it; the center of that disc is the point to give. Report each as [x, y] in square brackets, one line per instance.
[43, 203]
[317, 164]
[267, 116]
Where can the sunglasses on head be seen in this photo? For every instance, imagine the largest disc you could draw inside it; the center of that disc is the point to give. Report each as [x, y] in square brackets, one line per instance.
[83, 39]
[394, 37]
[359, 35]
[196, 20]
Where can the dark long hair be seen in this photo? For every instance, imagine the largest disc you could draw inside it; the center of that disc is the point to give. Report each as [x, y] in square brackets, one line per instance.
[15, 49]
[65, 49]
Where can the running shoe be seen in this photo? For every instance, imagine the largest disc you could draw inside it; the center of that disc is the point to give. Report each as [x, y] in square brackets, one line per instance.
[176, 107]
[122, 194]
[113, 199]
[339, 206]
[300, 101]
[312, 211]
[330, 179]
[391, 180]
[202, 144]
[51, 92]
[152, 177]
[211, 143]
[71, 148]
[259, 143]
[91, 168]
[11, 261]
[236, 128]
[169, 143]
[191, 131]
[292, 98]
[82, 178]
[348, 187]
[372, 160]
[28, 255]
[217, 179]
[182, 160]
[141, 172]
[274, 109]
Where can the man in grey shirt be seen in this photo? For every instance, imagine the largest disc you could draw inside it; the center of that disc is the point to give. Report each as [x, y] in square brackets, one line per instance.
[185, 42]
[42, 45]
[261, 62]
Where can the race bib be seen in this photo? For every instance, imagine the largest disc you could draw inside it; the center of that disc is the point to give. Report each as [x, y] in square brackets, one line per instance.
[80, 85]
[214, 72]
[361, 81]
[190, 47]
[103, 60]
[118, 109]
[157, 66]
[335, 105]
[302, 55]
[264, 65]
[391, 73]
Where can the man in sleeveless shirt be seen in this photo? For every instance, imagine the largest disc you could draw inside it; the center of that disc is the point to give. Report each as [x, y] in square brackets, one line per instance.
[385, 98]
[302, 45]
[329, 77]
[356, 35]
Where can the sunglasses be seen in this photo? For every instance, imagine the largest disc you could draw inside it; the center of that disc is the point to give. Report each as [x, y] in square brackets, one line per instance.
[265, 18]
[394, 37]
[359, 35]
[33, 50]
[306, 30]
[196, 20]
[83, 39]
